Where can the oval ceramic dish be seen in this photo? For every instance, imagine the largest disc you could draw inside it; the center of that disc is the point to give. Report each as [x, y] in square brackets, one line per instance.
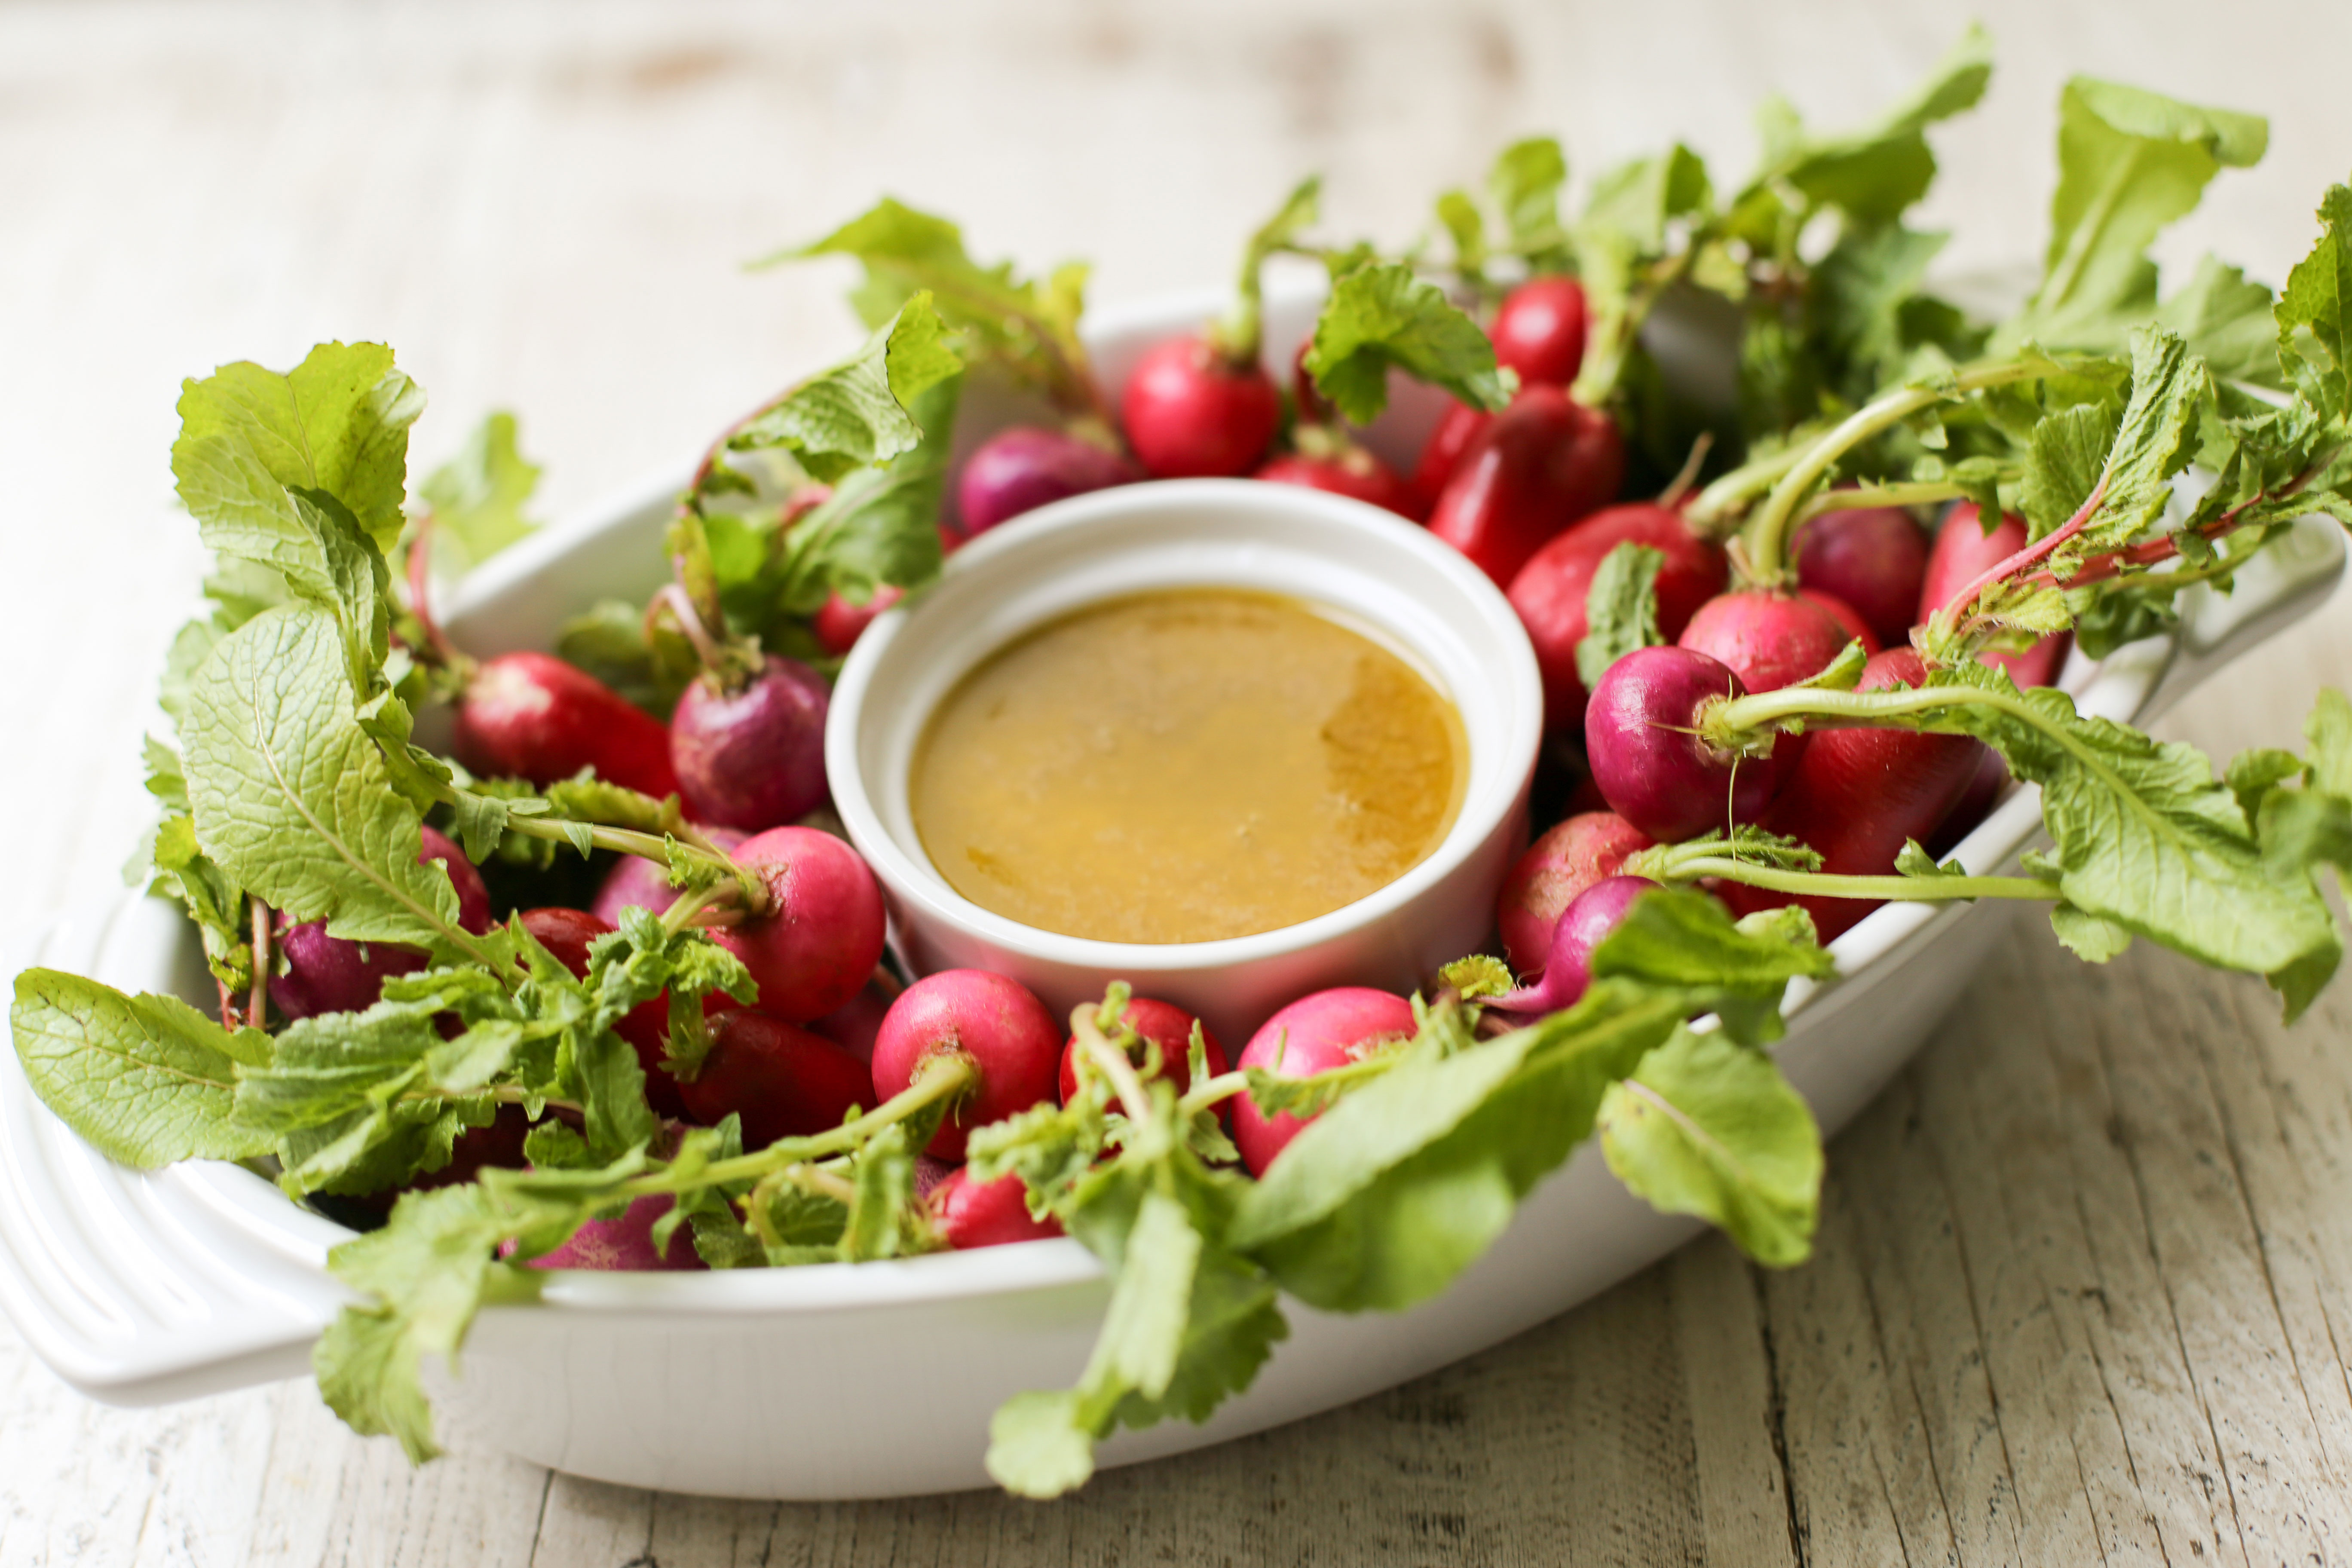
[797, 1383]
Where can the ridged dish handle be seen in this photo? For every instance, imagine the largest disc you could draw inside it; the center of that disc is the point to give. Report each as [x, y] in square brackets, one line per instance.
[2292, 577]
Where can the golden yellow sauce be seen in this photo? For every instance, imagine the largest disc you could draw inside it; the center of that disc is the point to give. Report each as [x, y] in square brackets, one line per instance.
[1186, 765]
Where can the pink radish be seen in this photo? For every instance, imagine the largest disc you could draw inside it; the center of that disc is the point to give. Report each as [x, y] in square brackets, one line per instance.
[1586, 849]
[1010, 1041]
[1655, 769]
[1191, 413]
[315, 973]
[838, 624]
[1552, 591]
[1769, 641]
[1873, 558]
[1313, 1035]
[1164, 1024]
[1568, 961]
[822, 932]
[972, 1214]
[1023, 469]
[1539, 330]
[626, 1244]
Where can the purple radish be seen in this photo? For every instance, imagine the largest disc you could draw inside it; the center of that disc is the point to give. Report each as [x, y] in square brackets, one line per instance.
[1568, 965]
[1025, 468]
[821, 935]
[1873, 558]
[637, 883]
[321, 973]
[1571, 856]
[1650, 762]
[625, 1244]
[752, 757]
[1011, 1041]
[1315, 1033]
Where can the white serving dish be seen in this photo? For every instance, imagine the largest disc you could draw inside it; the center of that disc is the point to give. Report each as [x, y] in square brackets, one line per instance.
[878, 1379]
[1381, 572]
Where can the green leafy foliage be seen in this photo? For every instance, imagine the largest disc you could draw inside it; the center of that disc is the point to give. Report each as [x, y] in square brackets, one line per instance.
[2313, 327]
[479, 497]
[854, 414]
[1381, 317]
[1874, 174]
[1621, 610]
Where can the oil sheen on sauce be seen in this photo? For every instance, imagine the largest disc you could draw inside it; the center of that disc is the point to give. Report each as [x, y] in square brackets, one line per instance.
[1186, 765]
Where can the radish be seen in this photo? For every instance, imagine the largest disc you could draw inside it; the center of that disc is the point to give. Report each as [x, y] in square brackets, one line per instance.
[751, 755]
[1025, 467]
[781, 1079]
[1976, 802]
[1848, 618]
[1586, 849]
[1568, 961]
[1540, 331]
[1769, 639]
[532, 716]
[1166, 1025]
[838, 624]
[823, 932]
[624, 1245]
[1963, 553]
[1315, 1033]
[1192, 412]
[567, 934]
[1552, 590]
[1441, 453]
[1655, 769]
[972, 1214]
[637, 883]
[316, 973]
[854, 1025]
[995, 1024]
[1352, 472]
[1875, 559]
[1546, 462]
[1856, 795]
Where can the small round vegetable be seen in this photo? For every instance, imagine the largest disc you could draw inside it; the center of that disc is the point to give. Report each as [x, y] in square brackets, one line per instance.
[636, 882]
[838, 624]
[1441, 453]
[1568, 963]
[1874, 558]
[972, 1214]
[1552, 591]
[1546, 462]
[1856, 794]
[995, 1024]
[1315, 1033]
[1354, 473]
[1848, 618]
[316, 973]
[854, 1025]
[532, 716]
[1976, 802]
[782, 1080]
[1166, 1025]
[1539, 330]
[568, 934]
[1025, 468]
[1191, 413]
[752, 757]
[1769, 640]
[1963, 553]
[823, 933]
[1586, 849]
[624, 1245]
[1650, 764]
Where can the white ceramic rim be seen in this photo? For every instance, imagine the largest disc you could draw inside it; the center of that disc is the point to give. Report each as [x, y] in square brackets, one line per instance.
[1497, 777]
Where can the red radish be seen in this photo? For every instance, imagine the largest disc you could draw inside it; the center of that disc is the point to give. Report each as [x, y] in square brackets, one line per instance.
[1568, 964]
[316, 973]
[1848, 618]
[624, 1245]
[1875, 559]
[784, 1082]
[1856, 794]
[1652, 766]
[1442, 454]
[1192, 412]
[1769, 639]
[1552, 590]
[823, 932]
[854, 1025]
[1539, 330]
[1965, 552]
[1166, 1025]
[995, 1024]
[1976, 802]
[1315, 1033]
[567, 935]
[754, 757]
[636, 882]
[972, 1214]
[1353, 472]
[1025, 468]
[1586, 849]
[838, 624]
[1307, 400]
[1546, 462]
[532, 716]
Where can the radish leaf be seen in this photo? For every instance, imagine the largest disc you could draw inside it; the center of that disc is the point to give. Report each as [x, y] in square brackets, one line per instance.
[1621, 609]
[477, 497]
[1381, 317]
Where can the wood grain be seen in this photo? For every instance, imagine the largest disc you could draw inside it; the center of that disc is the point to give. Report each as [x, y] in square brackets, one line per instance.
[2081, 1290]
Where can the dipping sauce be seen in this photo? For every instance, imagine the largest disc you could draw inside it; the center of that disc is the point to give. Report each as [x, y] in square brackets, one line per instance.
[1186, 765]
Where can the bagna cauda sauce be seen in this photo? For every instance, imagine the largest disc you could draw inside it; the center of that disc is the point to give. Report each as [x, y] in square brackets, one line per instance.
[1186, 765]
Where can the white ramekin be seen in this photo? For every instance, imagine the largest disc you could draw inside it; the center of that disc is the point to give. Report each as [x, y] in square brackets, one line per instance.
[1369, 564]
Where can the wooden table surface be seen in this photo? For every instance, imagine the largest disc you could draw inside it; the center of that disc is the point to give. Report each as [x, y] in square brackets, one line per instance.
[2080, 1291]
